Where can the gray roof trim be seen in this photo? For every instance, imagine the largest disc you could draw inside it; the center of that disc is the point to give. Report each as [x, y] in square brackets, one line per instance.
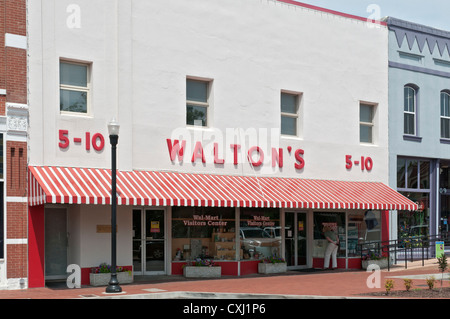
[422, 34]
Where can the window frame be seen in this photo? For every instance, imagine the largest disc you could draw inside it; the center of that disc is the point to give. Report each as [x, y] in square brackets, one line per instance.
[75, 88]
[206, 105]
[441, 116]
[415, 90]
[368, 124]
[294, 115]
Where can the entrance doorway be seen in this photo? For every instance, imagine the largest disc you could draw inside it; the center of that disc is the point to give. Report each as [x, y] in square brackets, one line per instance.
[148, 242]
[56, 242]
[295, 239]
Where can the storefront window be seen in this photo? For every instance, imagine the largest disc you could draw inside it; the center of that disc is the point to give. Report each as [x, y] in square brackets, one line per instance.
[260, 233]
[444, 176]
[413, 174]
[203, 232]
[362, 228]
[335, 221]
[414, 223]
[417, 178]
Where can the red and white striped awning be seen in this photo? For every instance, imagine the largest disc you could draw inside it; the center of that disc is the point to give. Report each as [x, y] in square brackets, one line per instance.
[70, 185]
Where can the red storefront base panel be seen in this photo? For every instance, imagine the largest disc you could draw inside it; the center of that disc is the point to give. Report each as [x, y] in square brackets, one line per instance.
[353, 263]
[249, 267]
[229, 268]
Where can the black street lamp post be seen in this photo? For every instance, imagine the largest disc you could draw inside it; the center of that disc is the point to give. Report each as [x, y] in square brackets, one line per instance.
[113, 130]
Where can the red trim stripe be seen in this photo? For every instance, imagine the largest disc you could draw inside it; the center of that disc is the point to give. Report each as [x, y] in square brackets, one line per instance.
[62, 185]
[337, 13]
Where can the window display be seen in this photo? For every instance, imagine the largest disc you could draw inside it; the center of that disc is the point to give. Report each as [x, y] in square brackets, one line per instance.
[415, 223]
[260, 233]
[362, 228]
[203, 232]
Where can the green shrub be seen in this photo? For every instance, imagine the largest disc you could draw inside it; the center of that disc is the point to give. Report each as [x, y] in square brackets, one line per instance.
[389, 285]
[408, 284]
[430, 282]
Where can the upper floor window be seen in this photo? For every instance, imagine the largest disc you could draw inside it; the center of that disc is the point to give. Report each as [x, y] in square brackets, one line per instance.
[289, 113]
[445, 114]
[74, 87]
[366, 122]
[410, 110]
[197, 102]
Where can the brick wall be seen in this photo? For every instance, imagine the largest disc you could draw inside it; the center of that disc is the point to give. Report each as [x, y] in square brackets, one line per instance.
[13, 81]
[16, 173]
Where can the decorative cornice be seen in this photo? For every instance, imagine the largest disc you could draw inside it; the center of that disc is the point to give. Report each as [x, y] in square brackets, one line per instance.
[17, 119]
[420, 33]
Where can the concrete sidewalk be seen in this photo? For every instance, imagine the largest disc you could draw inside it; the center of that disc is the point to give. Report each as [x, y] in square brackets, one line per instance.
[293, 284]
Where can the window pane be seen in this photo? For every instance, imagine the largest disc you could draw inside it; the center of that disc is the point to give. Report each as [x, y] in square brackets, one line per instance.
[445, 108]
[260, 233]
[412, 224]
[409, 124]
[365, 113]
[410, 96]
[197, 91]
[401, 168]
[73, 101]
[288, 103]
[412, 174]
[288, 125]
[204, 233]
[444, 175]
[73, 74]
[424, 175]
[365, 133]
[445, 128]
[196, 115]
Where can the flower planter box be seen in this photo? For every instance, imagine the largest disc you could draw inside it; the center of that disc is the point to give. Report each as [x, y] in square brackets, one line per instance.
[381, 263]
[202, 272]
[269, 268]
[103, 279]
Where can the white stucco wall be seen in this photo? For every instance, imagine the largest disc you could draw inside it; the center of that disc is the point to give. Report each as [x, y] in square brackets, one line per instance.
[88, 247]
[141, 52]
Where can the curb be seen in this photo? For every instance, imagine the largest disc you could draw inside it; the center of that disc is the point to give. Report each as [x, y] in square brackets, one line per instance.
[212, 295]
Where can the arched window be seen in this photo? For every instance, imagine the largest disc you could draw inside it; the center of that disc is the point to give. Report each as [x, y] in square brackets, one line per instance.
[445, 114]
[410, 109]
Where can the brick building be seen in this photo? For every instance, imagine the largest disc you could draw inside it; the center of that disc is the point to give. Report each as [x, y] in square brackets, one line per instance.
[13, 145]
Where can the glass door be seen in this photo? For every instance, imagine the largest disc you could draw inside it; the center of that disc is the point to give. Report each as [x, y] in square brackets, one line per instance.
[148, 242]
[295, 239]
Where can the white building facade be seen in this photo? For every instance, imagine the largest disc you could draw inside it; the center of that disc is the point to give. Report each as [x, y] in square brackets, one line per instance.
[246, 127]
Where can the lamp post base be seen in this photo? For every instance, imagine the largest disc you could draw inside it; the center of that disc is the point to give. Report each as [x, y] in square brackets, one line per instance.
[113, 285]
[113, 289]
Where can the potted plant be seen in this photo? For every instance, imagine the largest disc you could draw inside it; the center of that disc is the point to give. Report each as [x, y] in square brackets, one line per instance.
[272, 265]
[101, 275]
[374, 259]
[202, 268]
